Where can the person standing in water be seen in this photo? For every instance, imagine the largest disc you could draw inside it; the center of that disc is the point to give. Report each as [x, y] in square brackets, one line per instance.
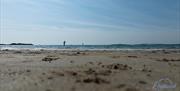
[64, 43]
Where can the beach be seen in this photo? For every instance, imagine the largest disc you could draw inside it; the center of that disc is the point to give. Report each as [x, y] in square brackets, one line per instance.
[87, 70]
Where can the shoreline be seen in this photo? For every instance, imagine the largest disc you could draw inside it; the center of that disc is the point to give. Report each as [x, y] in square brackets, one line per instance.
[86, 49]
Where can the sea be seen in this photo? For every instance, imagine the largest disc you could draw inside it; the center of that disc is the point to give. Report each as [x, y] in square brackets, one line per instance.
[92, 47]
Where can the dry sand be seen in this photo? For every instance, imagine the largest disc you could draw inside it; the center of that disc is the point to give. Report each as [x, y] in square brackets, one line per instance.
[74, 70]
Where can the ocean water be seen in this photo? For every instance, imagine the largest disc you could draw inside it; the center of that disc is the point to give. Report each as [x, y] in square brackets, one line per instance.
[115, 46]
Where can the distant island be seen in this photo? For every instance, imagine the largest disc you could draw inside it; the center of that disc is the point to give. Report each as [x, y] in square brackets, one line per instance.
[20, 44]
[17, 44]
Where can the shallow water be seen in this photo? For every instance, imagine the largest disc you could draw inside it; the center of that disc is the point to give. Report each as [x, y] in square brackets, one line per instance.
[117, 46]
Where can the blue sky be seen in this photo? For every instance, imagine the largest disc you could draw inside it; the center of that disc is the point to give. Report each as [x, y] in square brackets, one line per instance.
[90, 21]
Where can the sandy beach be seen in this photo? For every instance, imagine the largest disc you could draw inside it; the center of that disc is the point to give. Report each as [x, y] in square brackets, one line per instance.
[76, 70]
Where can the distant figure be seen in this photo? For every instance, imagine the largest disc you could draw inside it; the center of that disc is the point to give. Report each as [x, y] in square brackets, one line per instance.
[82, 44]
[64, 43]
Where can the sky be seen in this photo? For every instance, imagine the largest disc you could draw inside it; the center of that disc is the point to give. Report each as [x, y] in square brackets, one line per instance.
[90, 21]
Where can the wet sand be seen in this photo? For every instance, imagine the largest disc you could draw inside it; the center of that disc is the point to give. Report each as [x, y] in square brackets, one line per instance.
[75, 70]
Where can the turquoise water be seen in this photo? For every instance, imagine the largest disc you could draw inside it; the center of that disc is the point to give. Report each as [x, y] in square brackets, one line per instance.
[115, 46]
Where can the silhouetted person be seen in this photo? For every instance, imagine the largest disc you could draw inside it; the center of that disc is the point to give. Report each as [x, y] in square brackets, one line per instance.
[64, 43]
